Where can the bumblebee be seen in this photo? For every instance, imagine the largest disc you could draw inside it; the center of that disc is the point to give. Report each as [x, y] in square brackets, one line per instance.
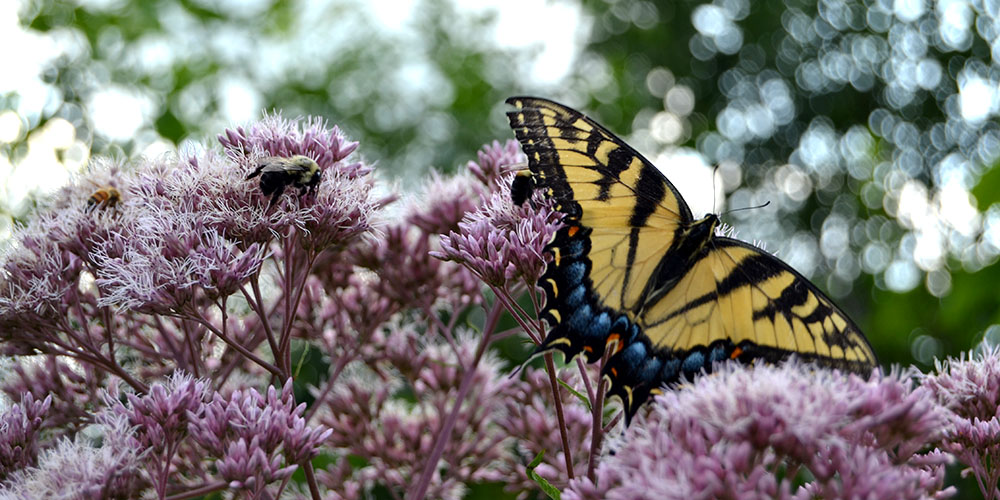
[105, 197]
[522, 187]
[277, 173]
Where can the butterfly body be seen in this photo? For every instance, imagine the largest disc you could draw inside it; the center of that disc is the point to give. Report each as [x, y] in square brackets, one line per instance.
[689, 244]
[635, 274]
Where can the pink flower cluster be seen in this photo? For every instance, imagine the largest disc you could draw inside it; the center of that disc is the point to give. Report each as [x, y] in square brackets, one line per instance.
[780, 432]
[20, 424]
[970, 389]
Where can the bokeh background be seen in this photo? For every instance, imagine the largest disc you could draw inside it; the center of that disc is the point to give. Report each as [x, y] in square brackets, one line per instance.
[870, 126]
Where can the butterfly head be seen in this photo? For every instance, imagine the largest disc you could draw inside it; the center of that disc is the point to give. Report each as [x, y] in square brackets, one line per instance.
[701, 231]
[710, 219]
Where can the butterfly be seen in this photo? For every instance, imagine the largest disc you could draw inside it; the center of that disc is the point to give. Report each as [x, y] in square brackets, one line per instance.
[634, 274]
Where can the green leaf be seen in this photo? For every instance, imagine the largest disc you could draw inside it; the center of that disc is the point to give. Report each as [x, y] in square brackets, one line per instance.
[987, 189]
[547, 488]
[581, 397]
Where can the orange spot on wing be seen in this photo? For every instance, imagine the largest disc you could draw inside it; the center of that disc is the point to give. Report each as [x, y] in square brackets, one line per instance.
[736, 353]
[614, 371]
[614, 337]
[572, 231]
[588, 348]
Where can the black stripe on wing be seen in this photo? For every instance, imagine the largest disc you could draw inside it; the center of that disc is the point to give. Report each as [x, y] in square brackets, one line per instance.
[528, 123]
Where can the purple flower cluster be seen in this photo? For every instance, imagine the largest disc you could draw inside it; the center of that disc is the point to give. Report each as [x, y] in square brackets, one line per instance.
[260, 439]
[166, 436]
[970, 388]
[502, 242]
[494, 160]
[276, 136]
[758, 432]
[172, 264]
[38, 284]
[82, 468]
[159, 421]
[160, 417]
[19, 425]
[392, 437]
[342, 207]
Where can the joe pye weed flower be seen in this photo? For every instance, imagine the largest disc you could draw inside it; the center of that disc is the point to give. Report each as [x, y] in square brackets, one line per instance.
[357, 341]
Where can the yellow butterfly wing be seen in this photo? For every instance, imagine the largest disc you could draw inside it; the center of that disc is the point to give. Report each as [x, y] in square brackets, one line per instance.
[737, 302]
[597, 181]
[737, 293]
[632, 271]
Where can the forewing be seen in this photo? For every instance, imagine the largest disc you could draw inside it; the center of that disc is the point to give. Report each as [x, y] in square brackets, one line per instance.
[631, 211]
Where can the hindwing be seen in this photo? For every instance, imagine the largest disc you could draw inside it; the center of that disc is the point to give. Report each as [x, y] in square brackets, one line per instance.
[735, 302]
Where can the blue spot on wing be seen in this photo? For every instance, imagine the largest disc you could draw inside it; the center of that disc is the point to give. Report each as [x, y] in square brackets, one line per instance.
[670, 370]
[573, 273]
[717, 354]
[581, 318]
[575, 298]
[573, 249]
[694, 362]
[647, 373]
[634, 354]
[602, 325]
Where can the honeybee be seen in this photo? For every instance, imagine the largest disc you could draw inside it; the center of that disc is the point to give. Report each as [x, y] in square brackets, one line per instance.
[104, 197]
[277, 173]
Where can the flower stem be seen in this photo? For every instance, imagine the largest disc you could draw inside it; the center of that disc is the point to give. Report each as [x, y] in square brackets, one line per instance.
[197, 316]
[550, 367]
[444, 435]
[307, 467]
[586, 380]
[200, 491]
[257, 303]
[318, 402]
[597, 429]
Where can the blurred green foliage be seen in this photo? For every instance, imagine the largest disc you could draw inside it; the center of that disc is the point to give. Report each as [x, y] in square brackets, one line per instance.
[359, 83]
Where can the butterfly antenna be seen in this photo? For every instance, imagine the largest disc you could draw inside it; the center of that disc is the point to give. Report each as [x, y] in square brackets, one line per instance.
[746, 208]
[521, 366]
[715, 170]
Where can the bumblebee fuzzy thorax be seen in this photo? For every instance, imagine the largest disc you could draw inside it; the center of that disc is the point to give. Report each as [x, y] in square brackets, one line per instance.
[277, 173]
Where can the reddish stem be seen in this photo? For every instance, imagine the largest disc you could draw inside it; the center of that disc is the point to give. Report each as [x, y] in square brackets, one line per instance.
[550, 367]
[444, 435]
